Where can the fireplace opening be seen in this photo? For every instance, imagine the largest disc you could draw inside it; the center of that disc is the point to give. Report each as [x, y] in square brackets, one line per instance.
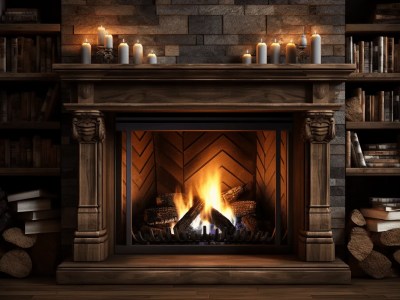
[203, 184]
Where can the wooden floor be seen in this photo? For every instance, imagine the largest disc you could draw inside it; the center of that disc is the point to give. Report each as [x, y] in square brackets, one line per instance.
[47, 289]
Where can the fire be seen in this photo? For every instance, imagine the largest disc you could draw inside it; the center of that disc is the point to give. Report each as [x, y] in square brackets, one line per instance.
[208, 188]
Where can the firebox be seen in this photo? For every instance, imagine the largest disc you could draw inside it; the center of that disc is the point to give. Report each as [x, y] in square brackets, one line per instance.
[196, 184]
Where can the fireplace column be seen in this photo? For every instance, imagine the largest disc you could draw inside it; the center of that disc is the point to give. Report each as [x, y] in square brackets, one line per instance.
[91, 239]
[316, 242]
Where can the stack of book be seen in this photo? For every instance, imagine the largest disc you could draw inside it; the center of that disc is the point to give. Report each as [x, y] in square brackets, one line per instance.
[35, 209]
[384, 214]
[21, 15]
[382, 155]
[387, 13]
[381, 55]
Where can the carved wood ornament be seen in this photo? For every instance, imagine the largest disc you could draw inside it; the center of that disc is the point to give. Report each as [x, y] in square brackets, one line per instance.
[319, 126]
[88, 126]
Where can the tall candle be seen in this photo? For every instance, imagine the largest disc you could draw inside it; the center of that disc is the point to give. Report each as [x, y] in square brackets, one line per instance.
[246, 58]
[152, 58]
[291, 53]
[123, 53]
[86, 51]
[275, 52]
[315, 48]
[108, 41]
[137, 53]
[101, 33]
[261, 53]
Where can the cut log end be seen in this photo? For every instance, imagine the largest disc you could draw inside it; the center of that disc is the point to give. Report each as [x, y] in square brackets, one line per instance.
[390, 237]
[16, 263]
[360, 245]
[243, 208]
[15, 236]
[357, 218]
[376, 265]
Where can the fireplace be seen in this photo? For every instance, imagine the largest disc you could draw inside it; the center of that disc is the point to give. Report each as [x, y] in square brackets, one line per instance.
[203, 184]
[152, 137]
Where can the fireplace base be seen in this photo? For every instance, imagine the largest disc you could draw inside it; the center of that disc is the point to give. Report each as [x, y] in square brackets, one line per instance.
[203, 269]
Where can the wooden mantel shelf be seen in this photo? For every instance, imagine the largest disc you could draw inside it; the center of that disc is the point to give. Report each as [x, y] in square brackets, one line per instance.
[226, 72]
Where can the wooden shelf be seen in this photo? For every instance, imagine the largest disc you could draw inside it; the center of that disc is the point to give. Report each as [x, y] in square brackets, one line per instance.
[374, 77]
[30, 125]
[372, 125]
[29, 171]
[29, 28]
[372, 171]
[372, 28]
[9, 76]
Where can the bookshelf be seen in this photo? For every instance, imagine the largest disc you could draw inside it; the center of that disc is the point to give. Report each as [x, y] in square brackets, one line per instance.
[365, 182]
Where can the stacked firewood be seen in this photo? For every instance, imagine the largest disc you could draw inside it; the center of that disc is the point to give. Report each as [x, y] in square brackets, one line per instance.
[375, 253]
[14, 258]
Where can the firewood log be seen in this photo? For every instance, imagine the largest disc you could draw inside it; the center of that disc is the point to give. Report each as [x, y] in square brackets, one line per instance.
[243, 208]
[167, 199]
[387, 238]
[396, 256]
[360, 244]
[357, 218]
[16, 263]
[160, 215]
[234, 193]
[183, 224]
[14, 235]
[376, 265]
[250, 222]
[221, 221]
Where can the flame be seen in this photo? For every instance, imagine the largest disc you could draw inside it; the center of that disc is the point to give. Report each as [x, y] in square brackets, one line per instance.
[208, 188]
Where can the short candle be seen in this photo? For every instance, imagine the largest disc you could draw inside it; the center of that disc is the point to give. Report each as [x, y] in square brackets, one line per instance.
[101, 32]
[108, 41]
[291, 53]
[152, 58]
[246, 59]
[137, 53]
[123, 52]
[86, 50]
[261, 53]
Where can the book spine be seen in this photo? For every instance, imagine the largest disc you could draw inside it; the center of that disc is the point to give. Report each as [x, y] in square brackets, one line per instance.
[380, 54]
[385, 54]
[348, 149]
[14, 55]
[381, 106]
[349, 50]
[361, 48]
[3, 54]
[391, 55]
[357, 148]
[371, 56]
[396, 109]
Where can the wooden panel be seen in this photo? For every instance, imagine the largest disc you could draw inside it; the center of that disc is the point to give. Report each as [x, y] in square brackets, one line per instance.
[372, 171]
[284, 181]
[143, 187]
[369, 28]
[374, 77]
[372, 125]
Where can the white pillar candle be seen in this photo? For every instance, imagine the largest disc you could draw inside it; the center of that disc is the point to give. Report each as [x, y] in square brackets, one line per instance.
[303, 40]
[86, 51]
[291, 53]
[152, 58]
[261, 53]
[101, 33]
[315, 48]
[109, 41]
[275, 52]
[123, 53]
[246, 59]
[137, 53]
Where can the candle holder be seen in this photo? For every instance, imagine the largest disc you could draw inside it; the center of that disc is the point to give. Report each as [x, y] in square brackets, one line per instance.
[105, 55]
[301, 54]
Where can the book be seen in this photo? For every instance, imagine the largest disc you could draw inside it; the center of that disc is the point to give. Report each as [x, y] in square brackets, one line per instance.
[380, 214]
[382, 152]
[29, 195]
[385, 207]
[40, 215]
[382, 165]
[377, 225]
[31, 205]
[3, 54]
[348, 149]
[384, 200]
[14, 55]
[359, 157]
[380, 157]
[42, 226]
[381, 146]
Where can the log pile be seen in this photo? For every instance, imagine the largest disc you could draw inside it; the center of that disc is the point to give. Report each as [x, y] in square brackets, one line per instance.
[377, 254]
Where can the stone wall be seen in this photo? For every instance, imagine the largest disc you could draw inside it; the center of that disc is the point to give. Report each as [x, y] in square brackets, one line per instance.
[216, 31]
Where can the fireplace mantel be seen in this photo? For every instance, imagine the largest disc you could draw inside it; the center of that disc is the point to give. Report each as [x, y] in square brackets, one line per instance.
[310, 92]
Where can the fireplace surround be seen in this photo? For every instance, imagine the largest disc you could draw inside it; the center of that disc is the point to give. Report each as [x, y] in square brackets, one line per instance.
[99, 94]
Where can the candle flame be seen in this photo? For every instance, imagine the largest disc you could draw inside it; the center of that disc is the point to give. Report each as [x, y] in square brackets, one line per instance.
[261, 41]
[86, 41]
[315, 32]
[152, 51]
[247, 51]
[123, 40]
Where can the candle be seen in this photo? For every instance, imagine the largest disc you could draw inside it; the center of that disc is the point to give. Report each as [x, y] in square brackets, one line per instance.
[123, 53]
[101, 32]
[303, 41]
[261, 53]
[315, 48]
[291, 53]
[152, 58]
[137, 53]
[86, 50]
[275, 52]
[109, 41]
[246, 59]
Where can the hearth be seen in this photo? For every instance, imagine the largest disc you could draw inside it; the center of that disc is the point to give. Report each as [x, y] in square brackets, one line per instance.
[128, 120]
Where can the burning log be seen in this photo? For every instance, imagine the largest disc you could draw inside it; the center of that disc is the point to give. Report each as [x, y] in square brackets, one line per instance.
[243, 208]
[160, 215]
[184, 223]
[250, 222]
[221, 221]
[233, 194]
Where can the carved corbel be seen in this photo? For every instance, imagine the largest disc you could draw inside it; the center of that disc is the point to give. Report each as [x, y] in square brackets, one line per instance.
[319, 126]
[88, 126]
